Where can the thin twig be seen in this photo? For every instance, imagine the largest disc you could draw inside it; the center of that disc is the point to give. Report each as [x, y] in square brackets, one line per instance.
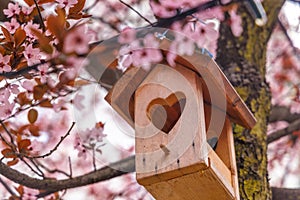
[52, 171]
[289, 39]
[7, 188]
[70, 167]
[11, 145]
[40, 15]
[134, 10]
[62, 138]
[294, 126]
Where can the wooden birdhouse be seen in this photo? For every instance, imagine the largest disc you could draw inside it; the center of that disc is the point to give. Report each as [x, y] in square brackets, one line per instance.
[182, 119]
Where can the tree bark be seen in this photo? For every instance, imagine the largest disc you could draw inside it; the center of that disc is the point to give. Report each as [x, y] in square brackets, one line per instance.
[243, 60]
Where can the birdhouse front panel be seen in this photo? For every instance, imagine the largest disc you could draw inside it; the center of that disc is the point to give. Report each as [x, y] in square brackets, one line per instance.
[173, 159]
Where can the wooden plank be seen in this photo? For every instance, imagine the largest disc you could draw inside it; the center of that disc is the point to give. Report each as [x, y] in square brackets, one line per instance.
[185, 142]
[121, 96]
[218, 84]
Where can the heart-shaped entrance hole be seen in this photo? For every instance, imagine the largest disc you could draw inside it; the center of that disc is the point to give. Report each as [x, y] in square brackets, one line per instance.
[164, 113]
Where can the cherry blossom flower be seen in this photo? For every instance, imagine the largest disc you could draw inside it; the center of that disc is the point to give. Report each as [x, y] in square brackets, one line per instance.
[13, 9]
[32, 55]
[82, 152]
[67, 4]
[235, 23]
[43, 69]
[28, 29]
[4, 95]
[6, 109]
[127, 35]
[161, 11]
[59, 105]
[140, 56]
[4, 61]
[27, 10]
[13, 88]
[77, 41]
[12, 26]
[28, 85]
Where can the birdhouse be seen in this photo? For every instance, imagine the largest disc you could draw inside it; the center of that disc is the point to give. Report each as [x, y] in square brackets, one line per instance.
[182, 118]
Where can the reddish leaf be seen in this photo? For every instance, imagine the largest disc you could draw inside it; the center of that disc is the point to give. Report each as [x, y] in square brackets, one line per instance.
[34, 130]
[45, 1]
[46, 104]
[29, 2]
[77, 7]
[7, 34]
[32, 115]
[24, 144]
[43, 41]
[8, 153]
[19, 36]
[13, 162]
[22, 99]
[39, 91]
[20, 190]
[56, 24]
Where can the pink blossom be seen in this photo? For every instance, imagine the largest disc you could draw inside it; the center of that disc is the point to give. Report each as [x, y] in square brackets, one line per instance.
[4, 95]
[59, 105]
[235, 23]
[28, 85]
[43, 69]
[77, 41]
[161, 11]
[4, 63]
[12, 26]
[80, 148]
[67, 4]
[77, 101]
[27, 10]
[28, 29]
[127, 35]
[204, 33]
[13, 9]
[73, 66]
[32, 55]
[13, 88]
[126, 54]
[6, 109]
[140, 56]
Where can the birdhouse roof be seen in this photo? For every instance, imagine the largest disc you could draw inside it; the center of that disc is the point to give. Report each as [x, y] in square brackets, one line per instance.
[103, 62]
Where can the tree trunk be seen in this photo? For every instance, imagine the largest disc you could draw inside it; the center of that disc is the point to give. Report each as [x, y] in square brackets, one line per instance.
[243, 60]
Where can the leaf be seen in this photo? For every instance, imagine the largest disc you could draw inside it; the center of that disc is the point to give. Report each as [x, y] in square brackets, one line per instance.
[7, 34]
[24, 144]
[13, 162]
[19, 36]
[77, 7]
[45, 1]
[22, 99]
[8, 153]
[43, 41]
[46, 103]
[32, 115]
[39, 91]
[20, 190]
[56, 24]
[29, 2]
[34, 130]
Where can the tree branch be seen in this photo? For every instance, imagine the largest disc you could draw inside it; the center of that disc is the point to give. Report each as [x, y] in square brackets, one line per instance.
[50, 186]
[294, 126]
[282, 113]
[284, 193]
